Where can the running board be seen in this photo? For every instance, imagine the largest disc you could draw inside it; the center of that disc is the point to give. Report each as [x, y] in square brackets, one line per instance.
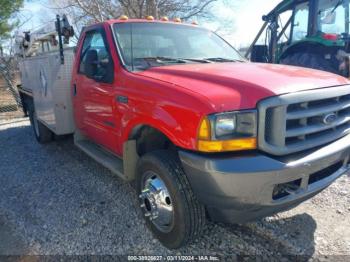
[105, 158]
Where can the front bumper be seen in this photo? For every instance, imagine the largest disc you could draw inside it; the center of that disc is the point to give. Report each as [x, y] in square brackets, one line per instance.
[238, 188]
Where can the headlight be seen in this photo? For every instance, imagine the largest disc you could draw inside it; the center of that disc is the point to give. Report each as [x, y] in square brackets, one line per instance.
[225, 125]
[230, 131]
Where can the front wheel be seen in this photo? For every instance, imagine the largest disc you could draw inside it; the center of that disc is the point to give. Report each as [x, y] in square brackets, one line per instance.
[171, 210]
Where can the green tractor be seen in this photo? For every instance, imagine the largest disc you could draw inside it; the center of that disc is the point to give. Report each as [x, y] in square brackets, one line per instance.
[307, 33]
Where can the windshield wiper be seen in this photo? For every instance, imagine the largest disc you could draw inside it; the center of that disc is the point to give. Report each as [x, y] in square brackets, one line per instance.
[176, 60]
[144, 63]
[223, 60]
[197, 60]
[163, 59]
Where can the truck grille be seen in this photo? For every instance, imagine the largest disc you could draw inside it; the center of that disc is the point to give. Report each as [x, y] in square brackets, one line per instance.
[303, 120]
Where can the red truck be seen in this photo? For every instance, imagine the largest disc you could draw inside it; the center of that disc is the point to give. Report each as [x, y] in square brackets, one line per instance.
[200, 132]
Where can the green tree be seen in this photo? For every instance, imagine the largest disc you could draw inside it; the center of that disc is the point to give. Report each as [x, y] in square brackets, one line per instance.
[7, 9]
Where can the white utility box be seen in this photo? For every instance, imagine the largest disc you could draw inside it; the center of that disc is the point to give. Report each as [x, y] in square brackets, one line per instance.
[50, 83]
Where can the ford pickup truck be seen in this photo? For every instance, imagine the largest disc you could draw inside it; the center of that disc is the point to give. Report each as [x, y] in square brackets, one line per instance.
[200, 132]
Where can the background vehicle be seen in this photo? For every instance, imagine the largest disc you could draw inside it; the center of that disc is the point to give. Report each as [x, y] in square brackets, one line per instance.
[315, 35]
[175, 110]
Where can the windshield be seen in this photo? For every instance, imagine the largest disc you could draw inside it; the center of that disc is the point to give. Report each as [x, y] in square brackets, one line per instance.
[143, 45]
[332, 16]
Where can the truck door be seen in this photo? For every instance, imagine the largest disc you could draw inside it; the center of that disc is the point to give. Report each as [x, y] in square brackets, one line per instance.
[93, 90]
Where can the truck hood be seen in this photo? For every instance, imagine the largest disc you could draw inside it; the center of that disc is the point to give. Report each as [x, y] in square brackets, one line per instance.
[232, 86]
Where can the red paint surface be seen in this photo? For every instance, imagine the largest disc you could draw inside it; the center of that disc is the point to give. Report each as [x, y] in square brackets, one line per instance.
[173, 99]
[331, 37]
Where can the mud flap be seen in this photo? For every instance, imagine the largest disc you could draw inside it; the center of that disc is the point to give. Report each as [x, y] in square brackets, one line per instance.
[130, 158]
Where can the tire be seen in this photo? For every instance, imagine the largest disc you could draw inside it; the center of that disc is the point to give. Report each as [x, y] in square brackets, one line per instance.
[309, 60]
[42, 134]
[24, 104]
[188, 215]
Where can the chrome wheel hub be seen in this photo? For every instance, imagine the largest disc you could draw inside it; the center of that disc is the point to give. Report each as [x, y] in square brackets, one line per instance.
[156, 202]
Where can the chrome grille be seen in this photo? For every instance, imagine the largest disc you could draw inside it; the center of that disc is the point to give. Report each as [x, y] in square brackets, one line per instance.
[303, 120]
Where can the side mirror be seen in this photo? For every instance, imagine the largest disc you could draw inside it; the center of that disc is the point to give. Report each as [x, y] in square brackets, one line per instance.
[91, 63]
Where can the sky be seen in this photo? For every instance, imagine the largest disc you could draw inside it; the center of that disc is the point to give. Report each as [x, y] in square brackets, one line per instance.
[247, 19]
[242, 18]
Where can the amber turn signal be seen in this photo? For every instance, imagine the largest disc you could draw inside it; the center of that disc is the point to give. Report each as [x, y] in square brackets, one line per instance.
[204, 130]
[227, 145]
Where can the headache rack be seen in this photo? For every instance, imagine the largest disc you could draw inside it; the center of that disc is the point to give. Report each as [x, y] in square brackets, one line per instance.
[303, 120]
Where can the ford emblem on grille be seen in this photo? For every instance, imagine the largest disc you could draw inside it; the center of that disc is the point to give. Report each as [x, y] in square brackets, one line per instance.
[329, 119]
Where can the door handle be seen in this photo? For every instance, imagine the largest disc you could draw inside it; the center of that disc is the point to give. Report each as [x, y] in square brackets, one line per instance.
[74, 90]
[122, 99]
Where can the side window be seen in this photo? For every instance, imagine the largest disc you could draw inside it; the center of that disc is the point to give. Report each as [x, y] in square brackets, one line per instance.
[283, 20]
[301, 21]
[101, 69]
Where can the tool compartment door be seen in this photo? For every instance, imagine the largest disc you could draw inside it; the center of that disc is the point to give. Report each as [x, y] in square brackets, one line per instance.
[50, 82]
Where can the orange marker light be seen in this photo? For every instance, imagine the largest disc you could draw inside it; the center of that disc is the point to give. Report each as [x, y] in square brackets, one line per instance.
[164, 18]
[150, 18]
[204, 130]
[227, 145]
[177, 20]
[123, 17]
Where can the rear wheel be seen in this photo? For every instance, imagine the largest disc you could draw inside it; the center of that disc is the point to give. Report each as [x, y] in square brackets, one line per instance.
[309, 60]
[171, 210]
[42, 133]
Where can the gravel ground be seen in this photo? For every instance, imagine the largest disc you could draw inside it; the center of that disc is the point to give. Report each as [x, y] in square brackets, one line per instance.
[55, 200]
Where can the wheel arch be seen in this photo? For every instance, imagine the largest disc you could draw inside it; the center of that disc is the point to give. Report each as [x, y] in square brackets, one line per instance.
[173, 124]
[164, 127]
[142, 139]
[151, 137]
